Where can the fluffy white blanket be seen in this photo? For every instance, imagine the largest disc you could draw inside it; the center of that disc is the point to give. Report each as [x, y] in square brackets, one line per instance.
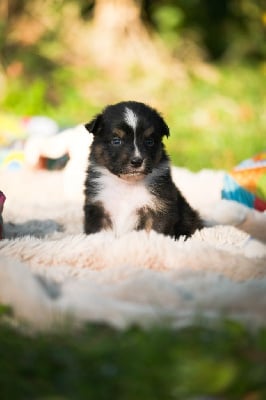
[51, 272]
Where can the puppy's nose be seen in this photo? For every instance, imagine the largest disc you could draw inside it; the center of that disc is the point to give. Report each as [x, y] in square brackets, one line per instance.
[136, 161]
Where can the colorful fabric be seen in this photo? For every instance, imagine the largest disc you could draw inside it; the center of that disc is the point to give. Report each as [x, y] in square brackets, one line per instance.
[246, 183]
[14, 133]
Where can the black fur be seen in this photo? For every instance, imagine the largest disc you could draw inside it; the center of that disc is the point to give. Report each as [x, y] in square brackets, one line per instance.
[113, 149]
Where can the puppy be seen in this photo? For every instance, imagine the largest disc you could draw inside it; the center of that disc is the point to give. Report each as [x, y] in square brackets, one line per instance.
[128, 184]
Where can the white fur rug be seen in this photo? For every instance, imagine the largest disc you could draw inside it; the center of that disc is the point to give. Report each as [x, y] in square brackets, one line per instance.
[51, 272]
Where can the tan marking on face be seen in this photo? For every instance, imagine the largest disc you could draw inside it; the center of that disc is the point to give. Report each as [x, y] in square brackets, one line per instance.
[119, 132]
[149, 131]
[101, 157]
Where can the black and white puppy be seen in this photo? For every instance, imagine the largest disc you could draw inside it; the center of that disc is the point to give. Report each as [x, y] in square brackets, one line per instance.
[129, 184]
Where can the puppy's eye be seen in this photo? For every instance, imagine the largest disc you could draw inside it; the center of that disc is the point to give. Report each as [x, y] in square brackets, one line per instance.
[116, 141]
[149, 141]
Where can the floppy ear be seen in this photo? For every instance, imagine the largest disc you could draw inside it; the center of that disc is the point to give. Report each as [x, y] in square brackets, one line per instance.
[166, 131]
[94, 125]
[164, 128]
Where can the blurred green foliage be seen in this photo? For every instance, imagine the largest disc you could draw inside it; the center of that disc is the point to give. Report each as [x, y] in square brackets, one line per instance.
[222, 362]
[231, 29]
[222, 29]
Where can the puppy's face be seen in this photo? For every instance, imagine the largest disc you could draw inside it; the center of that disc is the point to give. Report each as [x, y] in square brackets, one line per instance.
[128, 139]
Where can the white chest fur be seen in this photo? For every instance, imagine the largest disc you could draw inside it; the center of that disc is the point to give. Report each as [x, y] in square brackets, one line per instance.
[121, 199]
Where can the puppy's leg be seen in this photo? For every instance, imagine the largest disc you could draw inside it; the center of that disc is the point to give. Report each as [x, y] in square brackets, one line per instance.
[96, 218]
[189, 220]
[145, 219]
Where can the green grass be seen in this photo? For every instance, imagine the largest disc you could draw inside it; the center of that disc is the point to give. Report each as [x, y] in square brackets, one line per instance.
[219, 124]
[226, 362]
[214, 122]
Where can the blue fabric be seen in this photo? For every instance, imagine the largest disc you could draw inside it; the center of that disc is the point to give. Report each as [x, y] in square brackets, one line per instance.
[233, 191]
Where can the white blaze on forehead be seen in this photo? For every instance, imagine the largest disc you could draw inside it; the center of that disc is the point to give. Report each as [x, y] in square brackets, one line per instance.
[132, 120]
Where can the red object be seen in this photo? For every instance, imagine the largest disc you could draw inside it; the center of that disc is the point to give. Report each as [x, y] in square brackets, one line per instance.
[259, 204]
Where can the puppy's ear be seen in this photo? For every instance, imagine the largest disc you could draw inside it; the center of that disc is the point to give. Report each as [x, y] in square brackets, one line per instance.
[94, 125]
[164, 128]
[166, 131]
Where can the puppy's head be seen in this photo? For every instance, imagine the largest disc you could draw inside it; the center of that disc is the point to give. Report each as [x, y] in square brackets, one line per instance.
[128, 139]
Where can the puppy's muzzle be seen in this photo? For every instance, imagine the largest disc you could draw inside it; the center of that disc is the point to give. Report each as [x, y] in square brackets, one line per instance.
[136, 162]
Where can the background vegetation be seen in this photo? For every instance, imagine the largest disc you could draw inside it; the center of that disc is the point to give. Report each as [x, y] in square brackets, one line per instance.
[200, 362]
[202, 64]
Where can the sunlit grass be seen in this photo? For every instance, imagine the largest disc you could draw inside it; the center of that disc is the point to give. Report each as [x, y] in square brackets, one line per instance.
[218, 125]
[214, 123]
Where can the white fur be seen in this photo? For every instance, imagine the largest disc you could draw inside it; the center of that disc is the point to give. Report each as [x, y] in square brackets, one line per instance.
[121, 199]
[132, 120]
[136, 152]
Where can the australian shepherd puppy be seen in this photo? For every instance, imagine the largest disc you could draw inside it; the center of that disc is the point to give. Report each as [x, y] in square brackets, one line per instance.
[129, 184]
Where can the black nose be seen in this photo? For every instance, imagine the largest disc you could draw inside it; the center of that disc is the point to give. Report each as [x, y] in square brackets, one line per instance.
[136, 161]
